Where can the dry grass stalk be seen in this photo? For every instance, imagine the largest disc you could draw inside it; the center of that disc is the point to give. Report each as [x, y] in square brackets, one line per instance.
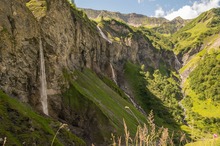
[164, 137]
[61, 126]
[113, 140]
[119, 141]
[148, 135]
[5, 139]
[127, 133]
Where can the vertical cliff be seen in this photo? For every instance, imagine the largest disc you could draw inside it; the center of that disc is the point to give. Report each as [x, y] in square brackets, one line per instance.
[19, 51]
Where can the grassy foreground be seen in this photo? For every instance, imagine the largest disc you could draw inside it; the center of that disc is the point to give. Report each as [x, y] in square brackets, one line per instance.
[20, 125]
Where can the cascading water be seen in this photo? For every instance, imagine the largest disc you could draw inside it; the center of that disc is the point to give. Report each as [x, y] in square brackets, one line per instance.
[43, 91]
[103, 35]
[113, 74]
[135, 105]
[177, 62]
[132, 101]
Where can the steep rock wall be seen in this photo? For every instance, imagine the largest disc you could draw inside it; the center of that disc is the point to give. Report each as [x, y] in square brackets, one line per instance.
[70, 41]
[19, 45]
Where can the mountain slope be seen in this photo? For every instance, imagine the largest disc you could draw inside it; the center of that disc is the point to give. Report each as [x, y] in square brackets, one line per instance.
[96, 106]
[21, 125]
[200, 73]
[190, 38]
[171, 26]
[198, 38]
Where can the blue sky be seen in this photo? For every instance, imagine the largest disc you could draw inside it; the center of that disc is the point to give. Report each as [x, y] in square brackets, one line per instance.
[169, 9]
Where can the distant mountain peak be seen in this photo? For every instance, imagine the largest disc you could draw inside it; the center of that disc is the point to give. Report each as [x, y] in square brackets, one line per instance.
[178, 18]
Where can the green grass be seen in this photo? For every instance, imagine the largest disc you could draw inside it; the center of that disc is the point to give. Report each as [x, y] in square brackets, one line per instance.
[87, 88]
[158, 40]
[205, 108]
[20, 124]
[205, 142]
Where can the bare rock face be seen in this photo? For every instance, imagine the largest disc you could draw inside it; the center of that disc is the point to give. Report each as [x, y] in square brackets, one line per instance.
[19, 51]
[70, 43]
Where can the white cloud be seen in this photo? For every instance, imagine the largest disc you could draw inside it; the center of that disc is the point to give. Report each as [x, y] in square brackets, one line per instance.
[159, 12]
[189, 12]
[139, 1]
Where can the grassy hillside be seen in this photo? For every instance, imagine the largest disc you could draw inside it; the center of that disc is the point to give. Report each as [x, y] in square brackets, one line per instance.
[119, 31]
[158, 40]
[171, 27]
[200, 40]
[193, 34]
[202, 96]
[88, 92]
[151, 97]
[23, 126]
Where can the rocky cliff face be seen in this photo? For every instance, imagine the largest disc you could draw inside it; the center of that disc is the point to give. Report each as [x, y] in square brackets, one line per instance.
[19, 45]
[69, 42]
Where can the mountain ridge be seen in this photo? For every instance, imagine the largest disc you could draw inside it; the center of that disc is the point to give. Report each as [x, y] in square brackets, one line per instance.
[131, 18]
[160, 25]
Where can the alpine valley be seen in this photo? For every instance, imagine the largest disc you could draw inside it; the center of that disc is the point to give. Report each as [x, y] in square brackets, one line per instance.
[71, 76]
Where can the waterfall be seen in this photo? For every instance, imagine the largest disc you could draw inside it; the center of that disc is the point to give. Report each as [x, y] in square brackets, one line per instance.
[135, 104]
[132, 101]
[43, 91]
[113, 74]
[103, 35]
[177, 62]
[184, 113]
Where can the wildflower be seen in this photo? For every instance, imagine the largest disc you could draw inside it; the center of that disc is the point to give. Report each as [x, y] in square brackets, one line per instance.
[215, 136]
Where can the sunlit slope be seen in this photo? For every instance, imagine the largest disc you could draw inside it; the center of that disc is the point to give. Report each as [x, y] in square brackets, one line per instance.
[87, 89]
[194, 33]
[21, 125]
[202, 101]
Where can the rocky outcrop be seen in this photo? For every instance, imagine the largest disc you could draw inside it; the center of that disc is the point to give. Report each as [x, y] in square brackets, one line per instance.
[19, 51]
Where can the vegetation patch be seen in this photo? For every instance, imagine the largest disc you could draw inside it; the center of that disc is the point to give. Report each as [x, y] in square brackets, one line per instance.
[22, 126]
[202, 97]
[86, 86]
[147, 98]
